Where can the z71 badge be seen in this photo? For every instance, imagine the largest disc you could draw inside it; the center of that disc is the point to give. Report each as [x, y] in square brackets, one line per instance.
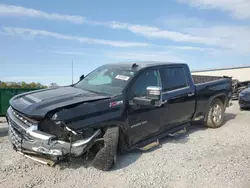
[115, 103]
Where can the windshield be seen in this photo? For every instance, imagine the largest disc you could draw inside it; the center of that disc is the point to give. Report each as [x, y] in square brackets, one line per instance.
[106, 80]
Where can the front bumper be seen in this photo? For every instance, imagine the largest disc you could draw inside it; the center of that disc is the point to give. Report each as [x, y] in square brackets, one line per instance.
[28, 137]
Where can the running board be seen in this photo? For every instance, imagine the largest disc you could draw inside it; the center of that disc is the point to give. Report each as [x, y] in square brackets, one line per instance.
[182, 131]
[199, 118]
[150, 146]
[154, 139]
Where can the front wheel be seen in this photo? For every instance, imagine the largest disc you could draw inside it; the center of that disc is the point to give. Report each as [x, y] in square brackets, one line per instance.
[216, 114]
[106, 156]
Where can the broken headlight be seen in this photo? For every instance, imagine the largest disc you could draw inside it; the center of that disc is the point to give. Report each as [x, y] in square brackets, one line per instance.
[56, 128]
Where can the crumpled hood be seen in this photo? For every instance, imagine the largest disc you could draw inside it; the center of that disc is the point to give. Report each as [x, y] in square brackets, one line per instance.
[38, 103]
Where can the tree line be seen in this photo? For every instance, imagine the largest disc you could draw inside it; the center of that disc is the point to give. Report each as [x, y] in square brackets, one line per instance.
[22, 85]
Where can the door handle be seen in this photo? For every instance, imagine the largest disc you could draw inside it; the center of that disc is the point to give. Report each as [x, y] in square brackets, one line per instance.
[191, 94]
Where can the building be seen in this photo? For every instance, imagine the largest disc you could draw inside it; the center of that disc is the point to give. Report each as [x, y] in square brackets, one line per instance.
[239, 73]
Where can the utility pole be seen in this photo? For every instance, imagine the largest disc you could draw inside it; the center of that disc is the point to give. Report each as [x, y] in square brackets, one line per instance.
[72, 73]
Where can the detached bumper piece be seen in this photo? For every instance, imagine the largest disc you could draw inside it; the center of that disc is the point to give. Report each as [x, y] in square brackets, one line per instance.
[26, 137]
[39, 159]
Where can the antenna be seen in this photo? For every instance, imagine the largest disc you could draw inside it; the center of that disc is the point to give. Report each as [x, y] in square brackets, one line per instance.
[72, 73]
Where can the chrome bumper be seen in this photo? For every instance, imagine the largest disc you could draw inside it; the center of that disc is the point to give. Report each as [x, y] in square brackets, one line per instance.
[27, 137]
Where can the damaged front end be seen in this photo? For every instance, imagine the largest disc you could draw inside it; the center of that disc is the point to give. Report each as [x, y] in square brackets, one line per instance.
[48, 137]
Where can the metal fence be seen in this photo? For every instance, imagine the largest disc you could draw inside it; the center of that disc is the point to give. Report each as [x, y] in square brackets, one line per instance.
[6, 94]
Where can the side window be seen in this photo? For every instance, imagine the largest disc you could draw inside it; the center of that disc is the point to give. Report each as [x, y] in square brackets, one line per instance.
[147, 78]
[173, 78]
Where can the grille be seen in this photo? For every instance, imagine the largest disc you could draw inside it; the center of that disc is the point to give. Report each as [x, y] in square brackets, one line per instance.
[29, 122]
[15, 137]
[16, 132]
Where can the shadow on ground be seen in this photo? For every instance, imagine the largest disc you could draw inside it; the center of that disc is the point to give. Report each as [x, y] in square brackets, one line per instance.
[229, 117]
[123, 161]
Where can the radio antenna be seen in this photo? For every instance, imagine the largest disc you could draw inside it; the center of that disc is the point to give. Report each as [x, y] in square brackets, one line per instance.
[72, 73]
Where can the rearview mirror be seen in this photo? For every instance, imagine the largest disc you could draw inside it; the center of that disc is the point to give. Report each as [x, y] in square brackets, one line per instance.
[81, 77]
[153, 97]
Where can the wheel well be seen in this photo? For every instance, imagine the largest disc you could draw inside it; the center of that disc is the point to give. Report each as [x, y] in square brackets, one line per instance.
[222, 98]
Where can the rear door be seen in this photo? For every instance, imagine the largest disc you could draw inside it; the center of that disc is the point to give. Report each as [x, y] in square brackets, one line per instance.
[179, 92]
[143, 121]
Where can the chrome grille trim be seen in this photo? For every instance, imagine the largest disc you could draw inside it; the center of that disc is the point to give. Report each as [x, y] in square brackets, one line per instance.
[17, 134]
[24, 119]
[14, 137]
[30, 132]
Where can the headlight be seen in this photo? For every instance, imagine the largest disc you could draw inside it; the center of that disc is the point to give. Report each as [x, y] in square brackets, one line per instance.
[52, 127]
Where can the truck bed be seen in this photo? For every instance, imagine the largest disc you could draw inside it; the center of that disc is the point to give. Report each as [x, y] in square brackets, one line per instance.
[199, 79]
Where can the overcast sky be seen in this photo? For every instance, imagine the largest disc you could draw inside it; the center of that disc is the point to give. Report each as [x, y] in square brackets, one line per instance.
[39, 39]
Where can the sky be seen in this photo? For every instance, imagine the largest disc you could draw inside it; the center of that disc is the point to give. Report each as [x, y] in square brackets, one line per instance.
[40, 39]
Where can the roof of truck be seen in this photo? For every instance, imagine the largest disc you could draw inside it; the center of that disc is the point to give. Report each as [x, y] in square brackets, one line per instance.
[141, 64]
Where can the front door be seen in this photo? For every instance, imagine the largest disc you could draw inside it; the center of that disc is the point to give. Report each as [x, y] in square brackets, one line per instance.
[143, 121]
[179, 94]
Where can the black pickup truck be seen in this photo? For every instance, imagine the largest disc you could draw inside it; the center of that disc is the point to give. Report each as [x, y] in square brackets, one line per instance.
[115, 108]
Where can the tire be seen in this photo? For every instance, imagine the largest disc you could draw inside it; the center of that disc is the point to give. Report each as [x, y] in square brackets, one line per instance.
[214, 120]
[106, 156]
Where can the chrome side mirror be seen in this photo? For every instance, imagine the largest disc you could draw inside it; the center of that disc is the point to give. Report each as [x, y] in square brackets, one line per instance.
[152, 98]
[154, 93]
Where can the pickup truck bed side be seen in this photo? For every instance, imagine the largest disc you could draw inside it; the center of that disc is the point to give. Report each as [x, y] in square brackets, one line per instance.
[206, 92]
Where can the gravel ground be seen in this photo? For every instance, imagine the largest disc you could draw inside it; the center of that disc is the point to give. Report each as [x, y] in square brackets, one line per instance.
[2, 119]
[202, 158]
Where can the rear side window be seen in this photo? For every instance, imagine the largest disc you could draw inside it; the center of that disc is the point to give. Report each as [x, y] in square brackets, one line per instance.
[173, 78]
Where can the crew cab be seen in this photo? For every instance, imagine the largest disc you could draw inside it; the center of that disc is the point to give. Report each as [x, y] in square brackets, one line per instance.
[115, 108]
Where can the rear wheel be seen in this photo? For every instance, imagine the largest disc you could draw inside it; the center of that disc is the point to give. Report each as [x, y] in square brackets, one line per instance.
[216, 113]
[106, 156]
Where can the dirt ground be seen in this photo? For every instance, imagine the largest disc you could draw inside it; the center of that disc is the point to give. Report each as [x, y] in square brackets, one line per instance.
[202, 158]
